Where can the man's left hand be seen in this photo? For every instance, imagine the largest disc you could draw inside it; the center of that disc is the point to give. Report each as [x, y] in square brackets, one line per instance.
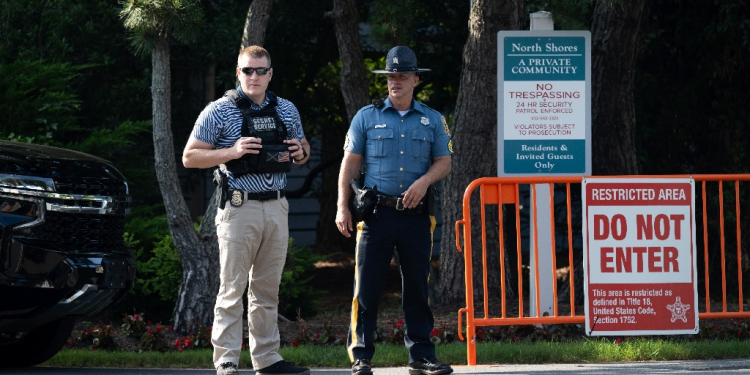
[415, 193]
[295, 149]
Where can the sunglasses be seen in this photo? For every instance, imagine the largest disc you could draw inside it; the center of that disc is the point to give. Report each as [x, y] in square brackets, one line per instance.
[249, 71]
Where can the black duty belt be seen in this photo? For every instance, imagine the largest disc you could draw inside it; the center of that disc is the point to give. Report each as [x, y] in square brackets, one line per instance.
[397, 203]
[237, 197]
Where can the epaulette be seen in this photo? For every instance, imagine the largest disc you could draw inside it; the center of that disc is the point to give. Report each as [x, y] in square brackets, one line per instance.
[431, 109]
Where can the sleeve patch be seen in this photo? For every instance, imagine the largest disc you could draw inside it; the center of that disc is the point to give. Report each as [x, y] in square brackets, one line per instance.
[445, 126]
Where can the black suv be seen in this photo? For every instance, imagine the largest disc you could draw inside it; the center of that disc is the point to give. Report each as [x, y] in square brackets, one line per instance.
[62, 253]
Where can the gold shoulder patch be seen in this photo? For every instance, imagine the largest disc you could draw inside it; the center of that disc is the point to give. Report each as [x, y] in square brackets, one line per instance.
[450, 146]
[445, 126]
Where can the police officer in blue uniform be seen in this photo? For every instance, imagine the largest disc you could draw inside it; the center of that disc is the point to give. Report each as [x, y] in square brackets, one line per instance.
[405, 147]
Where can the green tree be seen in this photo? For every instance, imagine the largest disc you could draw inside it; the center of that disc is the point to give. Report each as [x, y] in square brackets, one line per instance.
[613, 69]
[151, 25]
[475, 123]
[392, 23]
[37, 100]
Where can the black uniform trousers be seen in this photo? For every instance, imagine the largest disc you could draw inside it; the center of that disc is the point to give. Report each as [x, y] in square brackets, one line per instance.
[376, 238]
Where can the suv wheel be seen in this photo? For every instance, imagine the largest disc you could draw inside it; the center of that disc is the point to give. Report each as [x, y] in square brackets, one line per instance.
[36, 346]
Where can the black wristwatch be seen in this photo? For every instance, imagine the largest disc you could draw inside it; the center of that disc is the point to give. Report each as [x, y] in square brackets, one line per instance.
[304, 154]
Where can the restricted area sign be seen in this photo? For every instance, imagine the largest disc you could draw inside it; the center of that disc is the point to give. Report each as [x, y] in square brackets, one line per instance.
[639, 256]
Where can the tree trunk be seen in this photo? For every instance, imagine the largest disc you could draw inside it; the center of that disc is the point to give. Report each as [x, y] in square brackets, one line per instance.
[354, 88]
[614, 50]
[475, 149]
[256, 23]
[194, 290]
[354, 84]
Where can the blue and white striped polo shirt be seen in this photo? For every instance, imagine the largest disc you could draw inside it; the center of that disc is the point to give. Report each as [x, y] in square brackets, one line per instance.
[220, 124]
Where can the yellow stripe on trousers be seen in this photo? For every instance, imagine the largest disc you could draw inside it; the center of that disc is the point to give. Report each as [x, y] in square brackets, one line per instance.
[433, 224]
[355, 301]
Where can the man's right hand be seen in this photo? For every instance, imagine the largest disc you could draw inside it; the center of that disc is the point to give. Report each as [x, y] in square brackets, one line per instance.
[247, 145]
[344, 221]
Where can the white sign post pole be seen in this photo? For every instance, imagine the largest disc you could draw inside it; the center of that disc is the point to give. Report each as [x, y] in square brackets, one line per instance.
[544, 125]
[541, 21]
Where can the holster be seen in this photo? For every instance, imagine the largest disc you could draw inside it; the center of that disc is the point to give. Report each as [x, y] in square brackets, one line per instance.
[363, 202]
[221, 180]
[433, 200]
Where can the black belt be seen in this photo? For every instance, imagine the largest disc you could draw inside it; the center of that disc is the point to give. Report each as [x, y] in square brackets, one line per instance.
[263, 195]
[397, 203]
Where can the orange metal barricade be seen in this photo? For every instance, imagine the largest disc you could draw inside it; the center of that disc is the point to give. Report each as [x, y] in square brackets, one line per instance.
[504, 190]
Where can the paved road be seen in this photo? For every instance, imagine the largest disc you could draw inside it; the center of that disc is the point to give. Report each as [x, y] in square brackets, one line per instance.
[726, 366]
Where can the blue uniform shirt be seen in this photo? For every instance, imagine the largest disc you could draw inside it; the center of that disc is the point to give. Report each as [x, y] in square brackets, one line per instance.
[397, 150]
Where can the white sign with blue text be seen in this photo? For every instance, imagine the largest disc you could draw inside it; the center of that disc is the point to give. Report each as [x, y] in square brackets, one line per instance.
[544, 103]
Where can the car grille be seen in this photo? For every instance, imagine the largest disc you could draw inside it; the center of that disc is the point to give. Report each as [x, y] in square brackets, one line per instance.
[90, 186]
[77, 232]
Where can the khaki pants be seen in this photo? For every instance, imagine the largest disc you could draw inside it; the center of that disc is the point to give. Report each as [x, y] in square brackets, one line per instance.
[253, 241]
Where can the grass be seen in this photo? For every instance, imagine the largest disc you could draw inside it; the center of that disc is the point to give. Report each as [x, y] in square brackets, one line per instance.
[594, 350]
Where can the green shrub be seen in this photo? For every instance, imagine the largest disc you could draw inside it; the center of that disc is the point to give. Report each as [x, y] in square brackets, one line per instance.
[159, 267]
[160, 271]
[294, 294]
[161, 274]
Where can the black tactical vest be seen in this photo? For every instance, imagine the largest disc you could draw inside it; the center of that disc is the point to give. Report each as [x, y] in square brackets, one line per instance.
[266, 125]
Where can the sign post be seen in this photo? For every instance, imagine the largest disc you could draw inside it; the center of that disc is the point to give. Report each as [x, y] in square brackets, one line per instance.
[640, 256]
[544, 123]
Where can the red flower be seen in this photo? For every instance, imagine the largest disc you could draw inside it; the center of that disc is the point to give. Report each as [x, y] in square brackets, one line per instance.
[295, 342]
[434, 332]
[479, 332]
[618, 341]
[158, 328]
[149, 322]
[400, 323]
[188, 343]
[70, 343]
[180, 349]
[176, 342]
[169, 328]
[150, 332]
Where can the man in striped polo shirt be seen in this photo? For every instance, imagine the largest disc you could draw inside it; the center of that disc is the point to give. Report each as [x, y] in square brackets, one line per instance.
[252, 228]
